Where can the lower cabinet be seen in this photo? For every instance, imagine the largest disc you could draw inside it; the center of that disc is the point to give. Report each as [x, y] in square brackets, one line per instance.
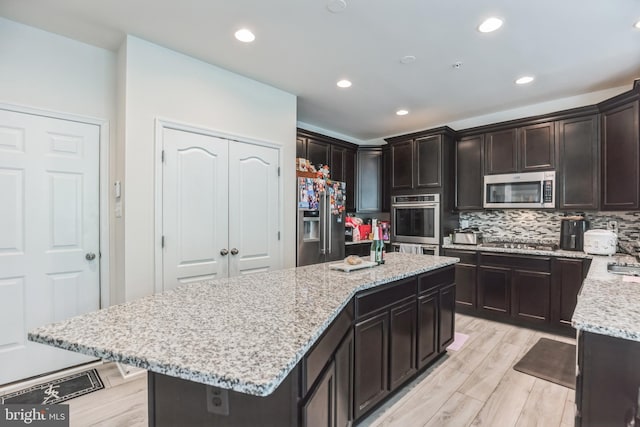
[447, 316]
[371, 362]
[608, 383]
[428, 327]
[494, 289]
[320, 408]
[531, 289]
[402, 344]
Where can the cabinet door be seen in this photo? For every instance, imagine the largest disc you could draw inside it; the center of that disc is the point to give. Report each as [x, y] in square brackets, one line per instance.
[344, 382]
[301, 147]
[466, 285]
[317, 152]
[350, 178]
[531, 293]
[620, 158]
[386, 180]
[446, 322]
[337, 163]
[370, 363]
[537, 147]
[566, 282]
[402, 165]
[579, 182]
[402, 344]
[428, 161]
[319, 410]
[427, 328]
[501, 152]
[469, 172]
[369, 197]
[494, 289]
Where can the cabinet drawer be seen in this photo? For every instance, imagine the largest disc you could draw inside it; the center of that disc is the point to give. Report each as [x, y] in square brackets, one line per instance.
[436, 279]
[376, 299]
[466, 257]
[542, 264]
[320, 354]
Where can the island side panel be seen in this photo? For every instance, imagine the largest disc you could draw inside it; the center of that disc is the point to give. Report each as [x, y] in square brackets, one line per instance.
[175, 401]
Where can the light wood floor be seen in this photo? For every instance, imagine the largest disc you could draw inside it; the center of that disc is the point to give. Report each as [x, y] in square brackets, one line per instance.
[475, 386]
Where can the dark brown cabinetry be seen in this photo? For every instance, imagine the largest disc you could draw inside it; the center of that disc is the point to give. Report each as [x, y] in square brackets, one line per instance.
[469, 172]
[567, 277]
[402, 344]
[421, 161]
[369, 181]
[525, 149]
[466, 271]
[578, 169]
[319, 410]
[402, 165]
[620, 154]
[515, 285]
[608, 384]
[339, 155]
[501, 152]
[399, 330]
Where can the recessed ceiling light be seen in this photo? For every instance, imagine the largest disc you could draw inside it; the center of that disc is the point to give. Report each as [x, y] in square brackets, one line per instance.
[490, 24]
[344, 83]
[637, 25]
[524, 80]
[402, 112]
[336, 6]
[245, 35]
[408, 59]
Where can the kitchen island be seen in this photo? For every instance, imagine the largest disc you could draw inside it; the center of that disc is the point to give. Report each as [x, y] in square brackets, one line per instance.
[262, 348]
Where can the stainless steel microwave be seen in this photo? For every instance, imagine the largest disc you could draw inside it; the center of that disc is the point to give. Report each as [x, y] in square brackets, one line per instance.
[520, 190]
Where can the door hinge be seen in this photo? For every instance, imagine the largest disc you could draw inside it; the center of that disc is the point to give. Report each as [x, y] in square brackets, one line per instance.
[278, 235]
[278, 170]
[162, 156]
[162, 241]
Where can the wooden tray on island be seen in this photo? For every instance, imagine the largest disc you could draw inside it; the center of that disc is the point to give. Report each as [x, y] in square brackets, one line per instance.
[343, 266]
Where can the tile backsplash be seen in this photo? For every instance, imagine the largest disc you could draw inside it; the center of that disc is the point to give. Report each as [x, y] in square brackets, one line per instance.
[545, 225]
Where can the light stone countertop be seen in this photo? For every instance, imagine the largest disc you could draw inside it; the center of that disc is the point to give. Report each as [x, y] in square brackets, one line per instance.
[243, 333]
[607, 304]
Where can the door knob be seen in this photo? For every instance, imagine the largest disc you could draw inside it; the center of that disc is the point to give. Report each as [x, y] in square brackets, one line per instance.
[234, 251]
[224, 252]
[90, 256]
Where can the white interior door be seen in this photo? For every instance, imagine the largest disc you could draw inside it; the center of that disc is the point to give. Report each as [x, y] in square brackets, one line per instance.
[49, 227]
[194, 207]
[253, 208]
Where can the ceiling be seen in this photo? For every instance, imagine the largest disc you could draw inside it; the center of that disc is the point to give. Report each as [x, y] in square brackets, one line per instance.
[571, 47]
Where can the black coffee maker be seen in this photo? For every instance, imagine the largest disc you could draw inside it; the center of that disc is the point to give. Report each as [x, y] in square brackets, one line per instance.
[572, 232]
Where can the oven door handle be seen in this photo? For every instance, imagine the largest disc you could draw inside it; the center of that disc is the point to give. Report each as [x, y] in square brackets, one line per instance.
[421, 205]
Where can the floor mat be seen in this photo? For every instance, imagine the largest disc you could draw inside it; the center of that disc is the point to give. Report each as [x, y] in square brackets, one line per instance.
[458, 341]
[550, 360]
[58, 390]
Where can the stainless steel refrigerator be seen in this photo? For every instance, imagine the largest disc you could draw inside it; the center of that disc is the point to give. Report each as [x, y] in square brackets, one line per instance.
[321, 213]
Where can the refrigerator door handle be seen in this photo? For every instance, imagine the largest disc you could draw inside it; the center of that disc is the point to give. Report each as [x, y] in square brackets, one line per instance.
[327, 204]
[323, 224]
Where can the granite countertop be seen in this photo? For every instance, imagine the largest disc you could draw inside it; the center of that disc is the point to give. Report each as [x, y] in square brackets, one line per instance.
[557, 253]
[243, 333]
[608, 303]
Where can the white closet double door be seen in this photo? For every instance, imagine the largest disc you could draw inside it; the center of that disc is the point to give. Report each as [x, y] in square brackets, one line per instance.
[220, 207]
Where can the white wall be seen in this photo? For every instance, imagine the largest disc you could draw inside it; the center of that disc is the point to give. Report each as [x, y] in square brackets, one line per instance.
[163, 83]
[49, 72]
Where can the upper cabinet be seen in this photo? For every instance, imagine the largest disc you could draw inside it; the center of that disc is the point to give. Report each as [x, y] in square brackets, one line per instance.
[369, 192]
[469, 172]
[419, 161]
[523, 149]
[578, 178]
[620, 152]
[339, 155]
